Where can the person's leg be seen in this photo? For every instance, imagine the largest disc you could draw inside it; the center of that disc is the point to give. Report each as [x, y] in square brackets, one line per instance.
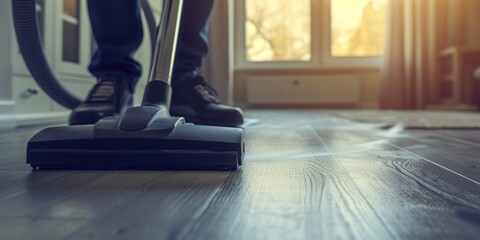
[192, 39]
[117, 28]
[192, 97]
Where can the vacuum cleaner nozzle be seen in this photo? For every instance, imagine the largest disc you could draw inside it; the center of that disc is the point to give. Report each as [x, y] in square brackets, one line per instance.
[164, 142]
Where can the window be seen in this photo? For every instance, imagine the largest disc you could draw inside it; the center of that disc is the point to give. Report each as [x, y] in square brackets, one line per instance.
[269, 35]
[357, 27]
[310, 33]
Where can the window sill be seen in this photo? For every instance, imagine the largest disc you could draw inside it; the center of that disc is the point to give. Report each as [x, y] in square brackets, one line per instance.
[289, 68]
[369, 63]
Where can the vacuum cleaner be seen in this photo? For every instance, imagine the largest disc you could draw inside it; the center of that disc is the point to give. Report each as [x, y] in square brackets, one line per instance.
[144, 137]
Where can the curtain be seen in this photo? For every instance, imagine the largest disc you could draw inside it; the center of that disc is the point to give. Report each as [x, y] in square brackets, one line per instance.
[408, 67]
[417, 30]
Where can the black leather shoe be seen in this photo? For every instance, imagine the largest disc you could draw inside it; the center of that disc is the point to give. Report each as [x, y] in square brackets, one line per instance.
[109, 97]
[197, 102]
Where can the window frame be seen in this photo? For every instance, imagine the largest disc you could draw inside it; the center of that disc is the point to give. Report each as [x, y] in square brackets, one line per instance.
[320, 46]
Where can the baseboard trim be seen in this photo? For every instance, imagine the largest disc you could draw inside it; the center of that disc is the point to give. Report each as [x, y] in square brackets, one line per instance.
[7, 117]
[30, 119]
[369, 105]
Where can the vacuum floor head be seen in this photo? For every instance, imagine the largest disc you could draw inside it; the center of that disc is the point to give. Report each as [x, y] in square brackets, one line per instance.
[165, 143]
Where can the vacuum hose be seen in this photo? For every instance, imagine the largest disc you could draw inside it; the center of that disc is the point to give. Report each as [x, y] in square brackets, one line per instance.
[29, 41]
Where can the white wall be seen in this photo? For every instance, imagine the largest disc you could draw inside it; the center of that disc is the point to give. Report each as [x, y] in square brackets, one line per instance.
[5, 51]
[6, 103]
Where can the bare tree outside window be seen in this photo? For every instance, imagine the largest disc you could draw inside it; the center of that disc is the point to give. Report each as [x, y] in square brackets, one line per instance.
[278, 30]
[358, 27]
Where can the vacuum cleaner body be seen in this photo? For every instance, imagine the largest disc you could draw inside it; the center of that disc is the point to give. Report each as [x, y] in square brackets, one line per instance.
[144, 137]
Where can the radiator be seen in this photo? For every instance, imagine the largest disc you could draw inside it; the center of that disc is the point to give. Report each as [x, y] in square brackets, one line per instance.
[322, 89]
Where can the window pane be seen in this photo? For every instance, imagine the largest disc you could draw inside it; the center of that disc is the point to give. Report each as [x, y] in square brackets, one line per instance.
[278, 30]
[70, 8]
[71, 42]
[71, 31]
[358, 27]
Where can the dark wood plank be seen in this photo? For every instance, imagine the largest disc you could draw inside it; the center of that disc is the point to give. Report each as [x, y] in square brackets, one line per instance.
[114, 202]
[38, 228]
[161, 211]
[13, 183]
[307, 175]
[13, 145]
[460, 157]
[454, 200]
[470, 136]
[381, 192]
[85, 204]
[414, 199]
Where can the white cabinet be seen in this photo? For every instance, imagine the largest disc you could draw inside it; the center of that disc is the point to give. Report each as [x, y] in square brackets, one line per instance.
[27, 96]
[67, 41]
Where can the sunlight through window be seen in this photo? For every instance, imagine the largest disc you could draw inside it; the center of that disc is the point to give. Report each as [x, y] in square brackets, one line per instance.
[278, 30]
[358, 27]
[281, 30]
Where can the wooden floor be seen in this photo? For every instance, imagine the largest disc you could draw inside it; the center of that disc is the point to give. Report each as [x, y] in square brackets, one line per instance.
[307, 175]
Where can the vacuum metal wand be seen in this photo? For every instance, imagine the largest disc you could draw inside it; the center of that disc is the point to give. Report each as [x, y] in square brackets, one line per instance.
[164, 55]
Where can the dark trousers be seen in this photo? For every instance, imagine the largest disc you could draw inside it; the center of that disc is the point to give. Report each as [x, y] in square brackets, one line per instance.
[118, 31]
